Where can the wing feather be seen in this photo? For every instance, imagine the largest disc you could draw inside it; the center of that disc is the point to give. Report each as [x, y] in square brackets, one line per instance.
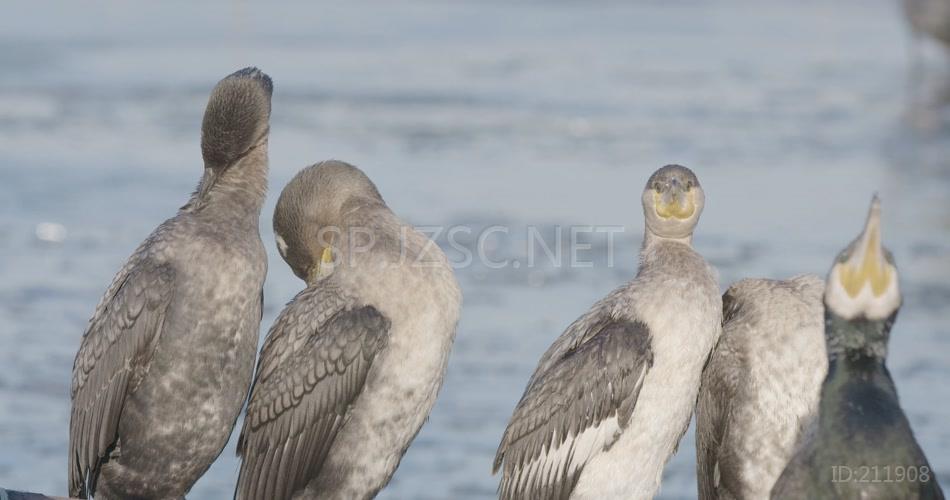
[573, 409]
[116, 347]
[717, 388]
[313, 366]
[769, 312]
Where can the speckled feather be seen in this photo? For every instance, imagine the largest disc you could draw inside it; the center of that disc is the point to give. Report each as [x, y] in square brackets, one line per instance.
[116, 347]
[760, 388]
[389, 388]
[166, 361]
[312, 366]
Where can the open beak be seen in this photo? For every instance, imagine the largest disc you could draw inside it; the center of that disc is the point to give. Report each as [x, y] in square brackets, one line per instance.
[675, 201]
[866, 264]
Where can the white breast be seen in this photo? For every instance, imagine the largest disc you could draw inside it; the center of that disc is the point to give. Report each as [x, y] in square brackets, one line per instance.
[684, 314]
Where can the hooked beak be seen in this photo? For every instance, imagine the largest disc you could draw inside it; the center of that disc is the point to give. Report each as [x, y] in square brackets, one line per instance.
[866, 265]
[675, 201]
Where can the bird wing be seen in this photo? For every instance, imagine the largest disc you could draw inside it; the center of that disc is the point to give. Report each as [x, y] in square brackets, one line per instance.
[719, 385]
[573, 410]
[771, 312]
[115, 349]
[312, 367]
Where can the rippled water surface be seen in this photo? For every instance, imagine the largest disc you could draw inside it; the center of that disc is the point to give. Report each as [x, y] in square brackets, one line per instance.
[479, 113]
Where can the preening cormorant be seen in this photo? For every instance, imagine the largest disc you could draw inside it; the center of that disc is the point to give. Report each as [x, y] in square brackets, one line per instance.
[352, 366]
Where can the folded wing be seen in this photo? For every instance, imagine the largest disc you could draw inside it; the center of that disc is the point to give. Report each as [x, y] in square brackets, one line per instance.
[313, 366]
[115, 350]
[574, 409]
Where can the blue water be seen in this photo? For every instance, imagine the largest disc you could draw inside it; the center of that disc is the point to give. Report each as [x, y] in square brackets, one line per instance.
[478, 113]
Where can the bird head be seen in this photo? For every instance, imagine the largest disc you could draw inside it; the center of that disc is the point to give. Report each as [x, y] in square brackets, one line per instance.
[236, 122]
[862, 294]
[672, 202]
[310, 221]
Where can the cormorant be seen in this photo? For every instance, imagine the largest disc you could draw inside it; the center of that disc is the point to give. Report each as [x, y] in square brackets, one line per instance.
[352, 366]
[759, 394]
[166, 361]
[863, 446]
[611, 398]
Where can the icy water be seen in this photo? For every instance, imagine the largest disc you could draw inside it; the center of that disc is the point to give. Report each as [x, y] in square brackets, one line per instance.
[476, 113]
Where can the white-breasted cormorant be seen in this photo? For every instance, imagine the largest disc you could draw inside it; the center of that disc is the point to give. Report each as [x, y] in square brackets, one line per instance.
[611, 398]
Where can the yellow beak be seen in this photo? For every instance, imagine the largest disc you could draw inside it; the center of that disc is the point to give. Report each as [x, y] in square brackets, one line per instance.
[325, 258]
[675, 203]
[867, 264]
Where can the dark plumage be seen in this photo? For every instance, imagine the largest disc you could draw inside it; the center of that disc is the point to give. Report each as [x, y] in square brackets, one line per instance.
[166, 361]
[862, 435]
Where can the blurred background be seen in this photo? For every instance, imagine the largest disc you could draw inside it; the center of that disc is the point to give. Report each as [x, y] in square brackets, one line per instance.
[478, 113]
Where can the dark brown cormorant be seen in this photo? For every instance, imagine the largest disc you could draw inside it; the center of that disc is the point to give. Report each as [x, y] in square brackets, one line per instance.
[165, 364]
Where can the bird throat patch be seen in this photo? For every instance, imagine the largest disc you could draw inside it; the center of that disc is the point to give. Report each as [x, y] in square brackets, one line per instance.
[674, 209]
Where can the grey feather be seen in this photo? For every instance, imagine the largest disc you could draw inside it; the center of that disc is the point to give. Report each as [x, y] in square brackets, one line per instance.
[635, 406]
[362, 405]
[596, 378]
[115, 348]
[165, 364]
[236, 117]
[312, 366]
[760, 388]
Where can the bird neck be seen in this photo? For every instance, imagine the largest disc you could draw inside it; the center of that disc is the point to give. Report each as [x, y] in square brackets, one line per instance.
[370, 234]
[857, 338]
[854, 364]
[857, 390]
[238, 190]
[650, 238]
